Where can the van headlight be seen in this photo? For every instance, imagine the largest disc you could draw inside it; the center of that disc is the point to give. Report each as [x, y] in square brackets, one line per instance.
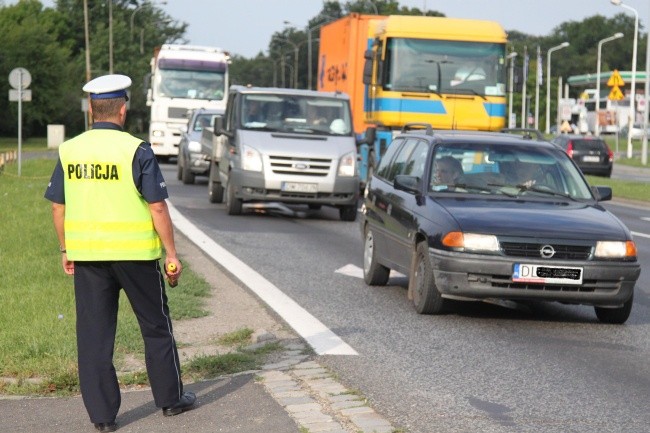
[194, 146]
[348, 164]
[251, 159]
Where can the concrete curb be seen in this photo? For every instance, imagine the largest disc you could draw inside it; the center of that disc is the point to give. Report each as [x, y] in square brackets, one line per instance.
[316, 401]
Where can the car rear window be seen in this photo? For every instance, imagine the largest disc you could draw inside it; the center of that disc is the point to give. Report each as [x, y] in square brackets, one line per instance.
[587, 145]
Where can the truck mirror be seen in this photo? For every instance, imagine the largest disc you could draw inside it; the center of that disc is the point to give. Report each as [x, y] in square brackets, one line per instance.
[147, 83]
[371, 134]
[367, 72]
[218, 124]
[369, 137]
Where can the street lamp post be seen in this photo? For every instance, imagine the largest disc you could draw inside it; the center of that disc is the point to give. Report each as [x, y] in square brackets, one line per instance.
[309, 48]
[630, 119]
[295, 60]
[646, 109]
[511, 56]
[146, 3]
[548, 83]
[600, 46]
[110, 36]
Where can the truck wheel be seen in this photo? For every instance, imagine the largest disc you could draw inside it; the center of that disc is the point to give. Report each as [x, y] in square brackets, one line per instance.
[233, 204]
[348, 213]
[426, 297]
[188, 177]
[374, 274]
[616, 316]
[215, 189]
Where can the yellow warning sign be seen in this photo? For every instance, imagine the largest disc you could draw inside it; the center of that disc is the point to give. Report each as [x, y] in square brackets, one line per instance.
[615, 79]
[615, 94]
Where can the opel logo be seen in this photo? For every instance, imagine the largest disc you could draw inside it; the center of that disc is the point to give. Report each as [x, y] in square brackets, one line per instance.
[300, 166]
[547, 251]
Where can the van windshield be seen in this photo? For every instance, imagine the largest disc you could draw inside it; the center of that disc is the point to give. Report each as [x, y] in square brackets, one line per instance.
[296, 113]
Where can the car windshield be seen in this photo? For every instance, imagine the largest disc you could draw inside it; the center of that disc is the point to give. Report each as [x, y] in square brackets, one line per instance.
[506, 169]
[203, 120]
[296, 113]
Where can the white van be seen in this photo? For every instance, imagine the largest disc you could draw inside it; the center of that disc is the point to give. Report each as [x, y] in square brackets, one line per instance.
[288, 146]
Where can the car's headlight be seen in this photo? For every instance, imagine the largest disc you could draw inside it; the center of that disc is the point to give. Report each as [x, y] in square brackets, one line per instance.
[251, 159]
[347, 164]
[471, 242]
[615, 250]
[157, 133]
[194, 146]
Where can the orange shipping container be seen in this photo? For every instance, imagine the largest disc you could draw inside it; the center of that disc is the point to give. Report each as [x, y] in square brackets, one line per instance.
[340, 65]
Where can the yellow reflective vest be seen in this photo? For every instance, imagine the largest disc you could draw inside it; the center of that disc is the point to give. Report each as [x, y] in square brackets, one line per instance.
[106, 218]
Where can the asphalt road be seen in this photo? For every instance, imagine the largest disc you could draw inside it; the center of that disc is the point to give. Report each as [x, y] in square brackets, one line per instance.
[535, 368]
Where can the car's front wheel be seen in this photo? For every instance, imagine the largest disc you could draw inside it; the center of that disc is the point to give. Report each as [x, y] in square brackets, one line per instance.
[426, 297]
[374, 274]
[233, 204]
[215, 189]
[348, 213]
[179, 169]
[615, 316]
[187, 176]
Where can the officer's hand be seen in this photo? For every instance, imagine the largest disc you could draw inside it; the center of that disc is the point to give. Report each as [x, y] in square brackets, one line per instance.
[173, 269]
[68, 265]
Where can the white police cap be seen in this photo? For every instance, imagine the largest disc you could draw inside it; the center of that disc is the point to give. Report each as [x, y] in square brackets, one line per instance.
[108, 86]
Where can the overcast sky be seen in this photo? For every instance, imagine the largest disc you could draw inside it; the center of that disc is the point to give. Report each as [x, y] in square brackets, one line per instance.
[245, 27]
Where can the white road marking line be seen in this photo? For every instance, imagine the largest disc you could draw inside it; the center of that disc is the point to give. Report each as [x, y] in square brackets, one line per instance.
[354, 271]
[317, 335]
[641, 235]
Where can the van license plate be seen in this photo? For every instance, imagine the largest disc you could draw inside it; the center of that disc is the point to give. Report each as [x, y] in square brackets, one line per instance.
[526, 273]
[299, 187]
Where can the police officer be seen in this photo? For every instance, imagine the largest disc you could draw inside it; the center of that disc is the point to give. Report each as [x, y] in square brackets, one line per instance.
[112, 221]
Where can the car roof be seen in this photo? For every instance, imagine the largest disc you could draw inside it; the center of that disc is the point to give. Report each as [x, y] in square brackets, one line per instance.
[457, 136]
[578, 137]
[286, 91]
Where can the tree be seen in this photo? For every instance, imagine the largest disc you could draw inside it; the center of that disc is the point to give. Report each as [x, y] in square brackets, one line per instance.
[30, 39]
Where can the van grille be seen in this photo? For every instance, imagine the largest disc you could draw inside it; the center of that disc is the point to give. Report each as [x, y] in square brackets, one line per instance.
[300, 166]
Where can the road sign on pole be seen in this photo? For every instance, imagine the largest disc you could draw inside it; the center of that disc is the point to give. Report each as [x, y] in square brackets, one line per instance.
[20, 79]
[615, 82]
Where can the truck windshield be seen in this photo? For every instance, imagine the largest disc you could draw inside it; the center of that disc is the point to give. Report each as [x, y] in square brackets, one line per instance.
[421, 65]
[174, 83]
[296, 113]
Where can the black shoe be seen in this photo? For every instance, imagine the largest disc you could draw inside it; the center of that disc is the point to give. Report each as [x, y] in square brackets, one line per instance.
[106, 426]
[186, 402]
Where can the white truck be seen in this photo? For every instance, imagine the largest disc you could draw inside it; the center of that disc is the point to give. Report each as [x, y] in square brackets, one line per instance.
[183, 77]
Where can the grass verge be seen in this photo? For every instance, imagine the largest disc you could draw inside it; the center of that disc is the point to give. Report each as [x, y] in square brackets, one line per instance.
[37, 342]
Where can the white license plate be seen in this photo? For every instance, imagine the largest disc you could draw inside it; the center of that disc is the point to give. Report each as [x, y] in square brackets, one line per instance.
[299, 187]
[591, 158]
[541, 274]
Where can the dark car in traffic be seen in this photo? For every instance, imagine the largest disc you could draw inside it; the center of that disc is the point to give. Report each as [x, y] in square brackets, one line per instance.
[590, 153]
[484, 216]
[194, 154]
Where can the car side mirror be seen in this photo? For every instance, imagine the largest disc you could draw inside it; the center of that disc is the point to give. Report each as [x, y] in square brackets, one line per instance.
[410, 184]
[602, 193]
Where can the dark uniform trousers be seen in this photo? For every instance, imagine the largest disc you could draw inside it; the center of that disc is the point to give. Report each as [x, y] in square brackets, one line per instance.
[97, 288]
